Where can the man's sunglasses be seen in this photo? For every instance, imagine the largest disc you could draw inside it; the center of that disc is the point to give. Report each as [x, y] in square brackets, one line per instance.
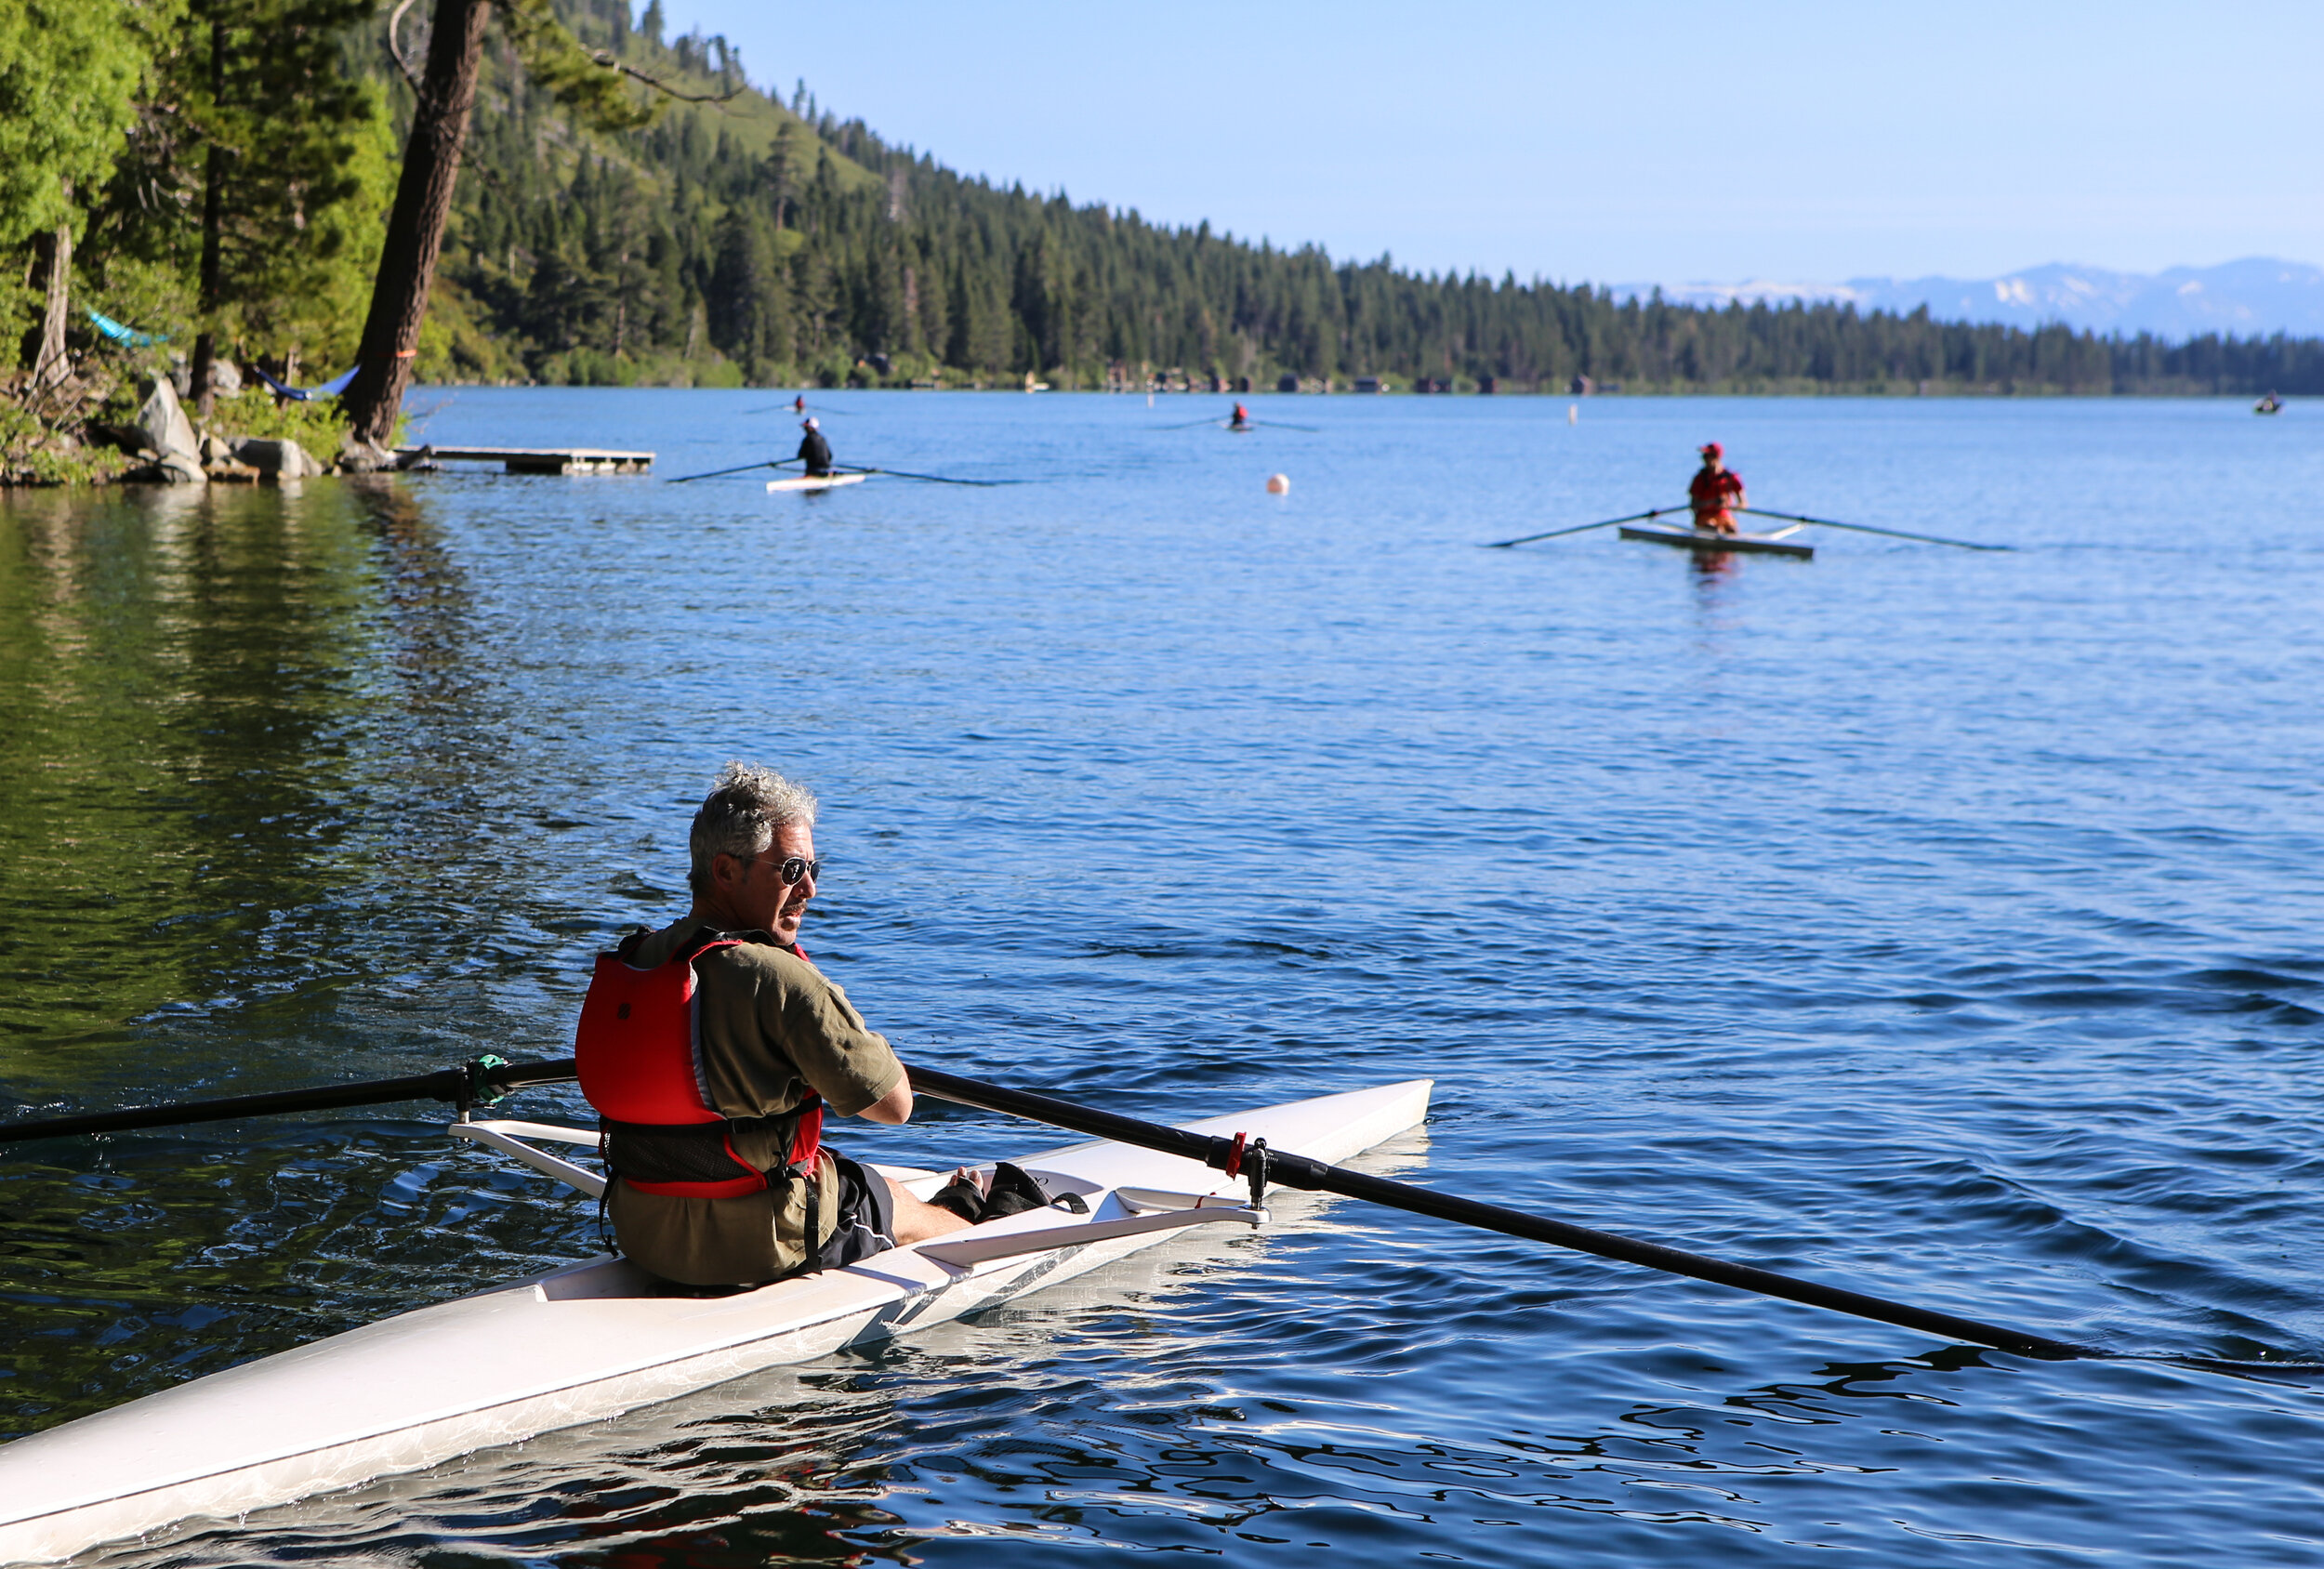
[792, 869]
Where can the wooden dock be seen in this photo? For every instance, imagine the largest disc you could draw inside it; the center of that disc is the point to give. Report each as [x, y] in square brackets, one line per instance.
[534, 460]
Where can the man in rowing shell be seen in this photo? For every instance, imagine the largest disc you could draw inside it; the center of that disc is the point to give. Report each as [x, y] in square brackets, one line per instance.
[1715, 488]
[1241, 420]
[814, 451]
[712, 1049]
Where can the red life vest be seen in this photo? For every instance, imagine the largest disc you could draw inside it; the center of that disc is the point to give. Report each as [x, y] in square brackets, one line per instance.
[639, 1053]
[1710, 494]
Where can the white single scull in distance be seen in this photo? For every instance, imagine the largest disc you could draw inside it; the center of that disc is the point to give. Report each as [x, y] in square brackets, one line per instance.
[817, 481]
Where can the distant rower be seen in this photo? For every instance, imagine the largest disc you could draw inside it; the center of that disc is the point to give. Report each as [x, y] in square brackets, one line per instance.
[799, 405]
[1714, 489]
[1241, 420]
[814, 451]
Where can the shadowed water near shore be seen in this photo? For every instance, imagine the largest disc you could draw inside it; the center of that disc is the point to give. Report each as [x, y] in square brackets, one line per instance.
[1936, 923]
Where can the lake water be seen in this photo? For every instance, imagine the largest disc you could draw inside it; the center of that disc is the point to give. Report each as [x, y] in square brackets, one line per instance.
[1938, 923]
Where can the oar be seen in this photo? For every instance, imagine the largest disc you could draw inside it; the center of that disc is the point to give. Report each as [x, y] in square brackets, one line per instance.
[485, 1079]
[901, 474]
[488, 1077]
[789, 408]
[1582, 528]
[1866, 528]
[716, 473]
[1226, 423]
[1263, 1165]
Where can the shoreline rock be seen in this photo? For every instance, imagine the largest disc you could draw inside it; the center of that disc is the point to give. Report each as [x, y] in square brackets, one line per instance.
[162, 419]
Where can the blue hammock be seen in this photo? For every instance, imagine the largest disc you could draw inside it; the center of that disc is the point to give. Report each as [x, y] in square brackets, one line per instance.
[330, 389]
[120, 334]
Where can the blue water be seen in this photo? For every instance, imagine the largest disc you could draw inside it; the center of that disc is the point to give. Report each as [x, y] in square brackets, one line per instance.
[1935, 922]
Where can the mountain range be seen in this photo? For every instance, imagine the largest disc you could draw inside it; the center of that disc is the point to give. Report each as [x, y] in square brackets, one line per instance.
[2254, 297]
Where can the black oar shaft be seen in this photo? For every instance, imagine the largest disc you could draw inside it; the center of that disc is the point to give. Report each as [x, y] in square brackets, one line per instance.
[1868, 528]
[741, 469]
[1582, 528]
[1299, 1171]
[907, 474]
[460, 1087]
[1671, 1261]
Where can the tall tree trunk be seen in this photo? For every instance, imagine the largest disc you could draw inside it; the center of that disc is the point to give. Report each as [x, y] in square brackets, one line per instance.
[50, 368]
[423, 201]
[199, 374]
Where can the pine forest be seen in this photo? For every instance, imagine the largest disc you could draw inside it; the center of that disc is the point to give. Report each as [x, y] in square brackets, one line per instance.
[631, 210]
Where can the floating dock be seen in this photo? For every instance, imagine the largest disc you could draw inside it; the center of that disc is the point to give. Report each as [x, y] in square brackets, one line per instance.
[534, 460]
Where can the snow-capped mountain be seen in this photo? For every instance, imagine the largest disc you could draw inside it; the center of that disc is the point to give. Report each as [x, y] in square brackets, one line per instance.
[2253, 297]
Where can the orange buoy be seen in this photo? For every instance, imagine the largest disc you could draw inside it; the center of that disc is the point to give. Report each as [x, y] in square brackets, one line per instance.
[1278, 484]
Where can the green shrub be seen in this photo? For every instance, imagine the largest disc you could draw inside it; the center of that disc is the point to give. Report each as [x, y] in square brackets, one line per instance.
[319, 427]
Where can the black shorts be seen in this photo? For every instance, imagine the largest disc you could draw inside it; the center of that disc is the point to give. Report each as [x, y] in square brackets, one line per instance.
[867, 1221]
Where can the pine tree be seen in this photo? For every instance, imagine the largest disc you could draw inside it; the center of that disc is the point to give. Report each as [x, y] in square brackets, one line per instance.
[270, 125]
[69, 74]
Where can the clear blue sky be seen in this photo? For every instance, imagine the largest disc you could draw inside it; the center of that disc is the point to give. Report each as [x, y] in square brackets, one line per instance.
[1652, 142]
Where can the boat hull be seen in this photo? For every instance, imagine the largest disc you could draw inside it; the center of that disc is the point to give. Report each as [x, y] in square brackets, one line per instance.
[817, 481]
[570, 1346]
[1703, 540]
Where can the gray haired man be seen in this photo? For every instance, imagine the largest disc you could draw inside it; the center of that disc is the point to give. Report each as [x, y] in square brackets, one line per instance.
[712, 1049]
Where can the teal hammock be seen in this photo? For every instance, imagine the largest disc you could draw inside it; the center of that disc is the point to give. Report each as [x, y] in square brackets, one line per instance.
[119, 334]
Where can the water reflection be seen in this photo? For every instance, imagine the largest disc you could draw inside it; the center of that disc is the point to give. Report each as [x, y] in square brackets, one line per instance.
[1712, 566]
[426, 597]
[183, 679]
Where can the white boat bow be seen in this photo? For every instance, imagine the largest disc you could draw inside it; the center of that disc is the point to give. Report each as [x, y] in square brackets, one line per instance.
[597, 1337]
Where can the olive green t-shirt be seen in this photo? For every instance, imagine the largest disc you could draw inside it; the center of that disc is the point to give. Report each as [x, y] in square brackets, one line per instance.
[773, 1026]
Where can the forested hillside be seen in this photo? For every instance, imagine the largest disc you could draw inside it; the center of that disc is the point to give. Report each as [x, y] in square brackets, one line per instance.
[775, 243]
[728, 238]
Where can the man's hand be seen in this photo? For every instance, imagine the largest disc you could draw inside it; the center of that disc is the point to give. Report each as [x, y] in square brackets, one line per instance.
[893, 1107]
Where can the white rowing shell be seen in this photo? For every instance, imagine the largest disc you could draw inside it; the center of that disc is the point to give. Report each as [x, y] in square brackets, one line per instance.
[1774, 544]
[817, 481]
[584, 1342]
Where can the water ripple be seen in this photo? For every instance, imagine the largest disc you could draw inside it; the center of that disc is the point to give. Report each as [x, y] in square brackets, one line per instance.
[1934, 924]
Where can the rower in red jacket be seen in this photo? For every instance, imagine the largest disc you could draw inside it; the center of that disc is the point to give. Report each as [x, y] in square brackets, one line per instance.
[1714, 489]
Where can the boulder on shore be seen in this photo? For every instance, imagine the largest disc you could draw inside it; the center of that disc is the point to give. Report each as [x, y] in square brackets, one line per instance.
[170, 468]
[277, 460]
[167, 430]
[359, 456]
